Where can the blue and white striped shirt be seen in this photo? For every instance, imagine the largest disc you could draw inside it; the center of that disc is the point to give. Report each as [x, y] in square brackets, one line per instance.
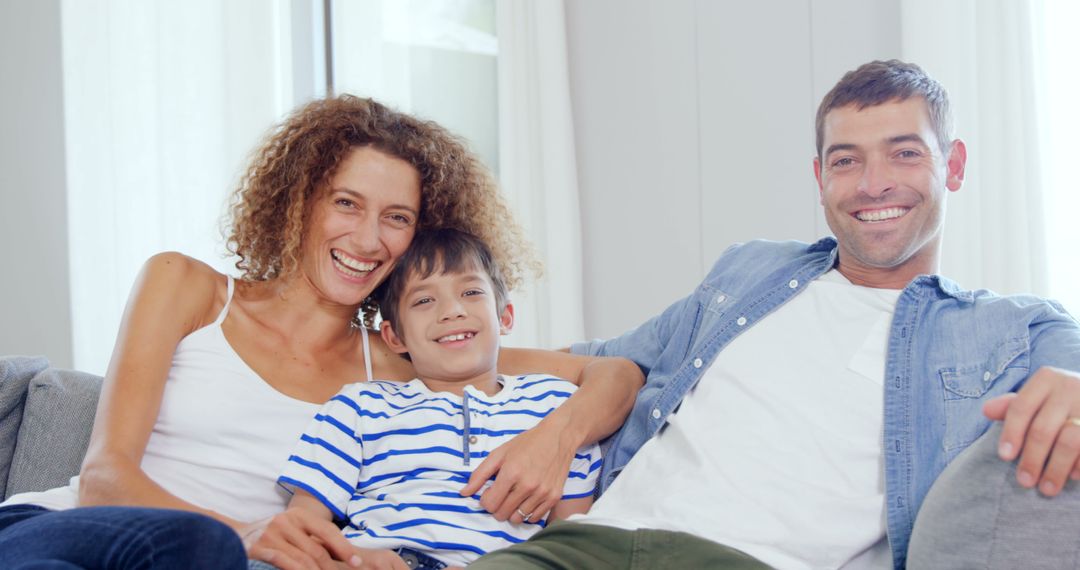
[389, 459]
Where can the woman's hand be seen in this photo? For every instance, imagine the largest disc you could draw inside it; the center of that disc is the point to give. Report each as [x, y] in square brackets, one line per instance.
[298, 539]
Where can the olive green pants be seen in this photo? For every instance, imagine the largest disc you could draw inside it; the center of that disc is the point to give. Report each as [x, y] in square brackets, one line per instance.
[580, 546]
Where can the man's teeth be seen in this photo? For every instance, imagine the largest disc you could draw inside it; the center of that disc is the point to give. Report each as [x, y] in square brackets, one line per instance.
[350, 266]
[453, 337]
[880, 215]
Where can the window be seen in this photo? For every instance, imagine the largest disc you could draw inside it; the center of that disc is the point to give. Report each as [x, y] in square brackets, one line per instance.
[164, 101]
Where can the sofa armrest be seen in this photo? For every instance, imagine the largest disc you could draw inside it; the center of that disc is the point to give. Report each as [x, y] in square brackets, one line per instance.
[55, 430]
[977, 516]
[15, 375]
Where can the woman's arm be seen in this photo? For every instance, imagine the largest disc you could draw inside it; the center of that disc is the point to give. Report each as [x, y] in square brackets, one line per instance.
[533, 466]
[173, 296]
[285, 540]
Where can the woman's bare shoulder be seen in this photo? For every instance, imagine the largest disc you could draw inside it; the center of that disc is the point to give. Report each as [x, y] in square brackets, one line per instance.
[195, 290]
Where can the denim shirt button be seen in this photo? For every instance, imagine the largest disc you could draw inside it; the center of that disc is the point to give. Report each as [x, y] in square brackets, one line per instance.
[656, 413]
[986, 376]
[697, 363]
[721, 298]
[793, 283]
[741, 321]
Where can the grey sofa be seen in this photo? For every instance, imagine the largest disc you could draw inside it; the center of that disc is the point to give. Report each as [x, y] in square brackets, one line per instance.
[975, 516]
[45, 420]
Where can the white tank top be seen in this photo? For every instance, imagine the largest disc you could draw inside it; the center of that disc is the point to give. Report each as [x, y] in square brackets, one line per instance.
[223, 434]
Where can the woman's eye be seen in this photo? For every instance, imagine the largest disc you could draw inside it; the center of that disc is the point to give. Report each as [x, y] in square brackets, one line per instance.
[344, 202]
[399, 220]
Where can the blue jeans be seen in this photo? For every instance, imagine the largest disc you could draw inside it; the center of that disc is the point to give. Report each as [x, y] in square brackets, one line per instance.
[127, 538]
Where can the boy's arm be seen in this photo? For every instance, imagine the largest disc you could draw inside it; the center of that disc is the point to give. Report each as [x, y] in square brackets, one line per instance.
[569, 507]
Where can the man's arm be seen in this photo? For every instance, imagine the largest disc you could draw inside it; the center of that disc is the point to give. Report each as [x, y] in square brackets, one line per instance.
[1042, 420]
[1041, 427]
[532, 467]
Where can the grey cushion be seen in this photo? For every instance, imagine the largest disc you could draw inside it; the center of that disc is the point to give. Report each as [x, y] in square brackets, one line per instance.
[55, 430]
[977, 516]
[15, 375]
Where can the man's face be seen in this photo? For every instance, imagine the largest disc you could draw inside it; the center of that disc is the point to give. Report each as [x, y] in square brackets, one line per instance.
[882, 182]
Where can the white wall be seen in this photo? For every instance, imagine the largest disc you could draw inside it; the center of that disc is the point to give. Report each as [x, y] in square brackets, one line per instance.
[35, 315]
[694, 125]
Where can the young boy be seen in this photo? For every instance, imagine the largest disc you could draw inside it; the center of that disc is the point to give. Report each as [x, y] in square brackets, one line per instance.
[388, 458]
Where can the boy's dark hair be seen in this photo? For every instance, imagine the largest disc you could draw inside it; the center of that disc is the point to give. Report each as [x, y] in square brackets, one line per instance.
[440, 251]
[880, 82]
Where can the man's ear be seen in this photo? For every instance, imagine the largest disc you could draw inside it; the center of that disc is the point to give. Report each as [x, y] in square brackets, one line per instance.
[391, 338]
[817, 176]
[506, 319]
[957, 161]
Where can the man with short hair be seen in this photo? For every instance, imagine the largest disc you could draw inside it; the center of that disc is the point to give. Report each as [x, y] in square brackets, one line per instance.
[803, 399]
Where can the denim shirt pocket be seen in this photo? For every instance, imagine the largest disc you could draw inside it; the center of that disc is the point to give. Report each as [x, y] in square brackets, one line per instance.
[712, 304]
[967, 387]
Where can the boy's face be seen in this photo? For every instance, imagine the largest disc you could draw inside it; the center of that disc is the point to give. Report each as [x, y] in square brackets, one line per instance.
[450, 326]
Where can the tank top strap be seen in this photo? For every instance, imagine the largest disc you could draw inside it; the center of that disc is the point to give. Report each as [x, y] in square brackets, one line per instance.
[367, 353]
[228, 299]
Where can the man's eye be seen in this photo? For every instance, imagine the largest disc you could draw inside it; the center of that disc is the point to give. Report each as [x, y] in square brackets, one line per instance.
[909, 154]
[843, 162]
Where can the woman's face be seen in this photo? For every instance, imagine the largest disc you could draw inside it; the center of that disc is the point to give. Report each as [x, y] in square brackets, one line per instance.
[360, 225]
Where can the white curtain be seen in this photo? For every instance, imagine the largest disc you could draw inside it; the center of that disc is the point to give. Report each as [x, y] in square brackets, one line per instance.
[163, 101]
[986, 54]
[537, 166]
[1058, 21]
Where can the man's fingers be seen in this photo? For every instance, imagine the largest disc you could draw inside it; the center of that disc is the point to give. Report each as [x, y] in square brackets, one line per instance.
[494, 498]
[1022, 409]
[1062, 460]
[995, 408]
[485, 471]
[1042, 433]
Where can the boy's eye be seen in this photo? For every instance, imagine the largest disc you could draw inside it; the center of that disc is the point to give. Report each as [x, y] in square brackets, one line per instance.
[422, 301]
[472, 292]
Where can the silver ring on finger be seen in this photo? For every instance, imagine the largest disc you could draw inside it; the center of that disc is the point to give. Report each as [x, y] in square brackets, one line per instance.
[524, 517]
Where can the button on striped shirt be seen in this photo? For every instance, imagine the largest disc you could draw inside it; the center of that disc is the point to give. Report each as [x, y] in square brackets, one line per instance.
[389, 459]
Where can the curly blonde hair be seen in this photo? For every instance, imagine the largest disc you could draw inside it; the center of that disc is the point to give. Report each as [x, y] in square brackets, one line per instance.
[300, 156]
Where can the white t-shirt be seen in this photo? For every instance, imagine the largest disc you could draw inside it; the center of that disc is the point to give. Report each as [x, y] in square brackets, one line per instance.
[777, 451]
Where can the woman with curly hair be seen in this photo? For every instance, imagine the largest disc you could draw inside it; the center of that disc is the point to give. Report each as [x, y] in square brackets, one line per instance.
[213, 378]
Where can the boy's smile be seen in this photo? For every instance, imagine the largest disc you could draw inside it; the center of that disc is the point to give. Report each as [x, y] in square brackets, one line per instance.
[450, 326]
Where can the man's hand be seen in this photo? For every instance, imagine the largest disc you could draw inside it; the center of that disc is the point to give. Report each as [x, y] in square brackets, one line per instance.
[532, 470]
[1042, 426]
[299, 540]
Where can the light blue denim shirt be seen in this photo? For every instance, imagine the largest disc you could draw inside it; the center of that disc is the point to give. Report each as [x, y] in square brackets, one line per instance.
[949, 351]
